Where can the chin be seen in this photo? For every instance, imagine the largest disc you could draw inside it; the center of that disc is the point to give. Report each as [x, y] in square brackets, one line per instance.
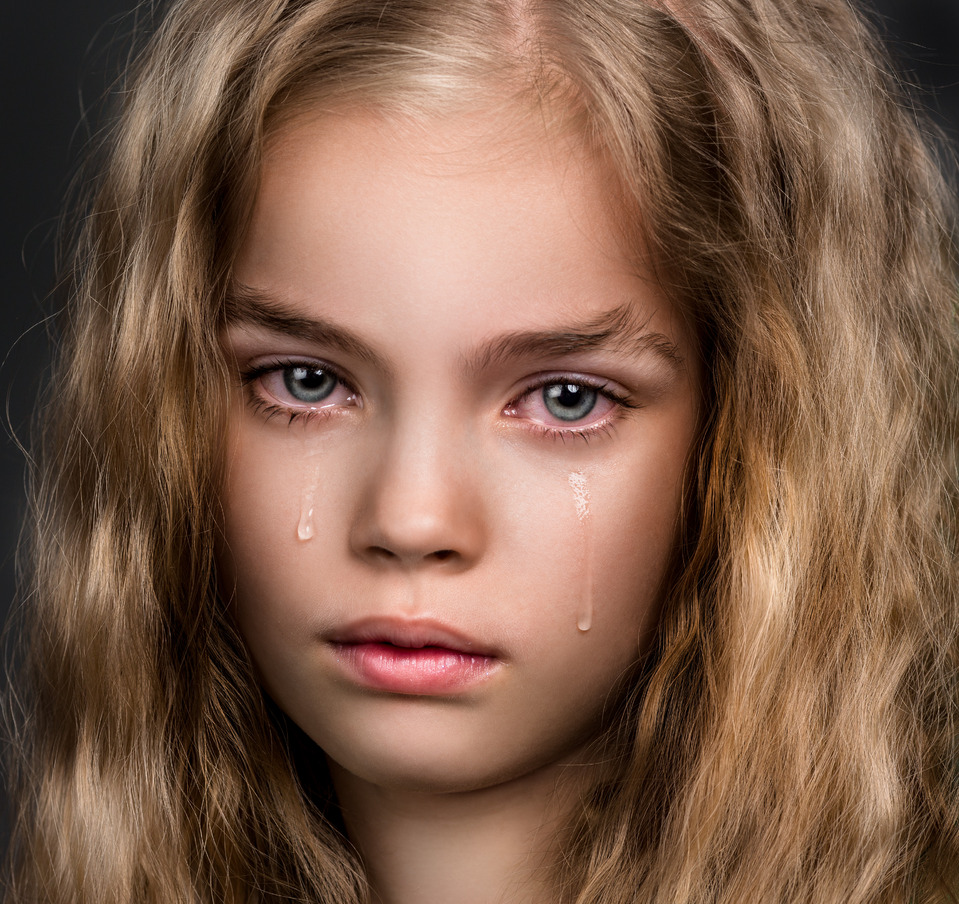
[432, 778]
[447, 765]
[431, 768]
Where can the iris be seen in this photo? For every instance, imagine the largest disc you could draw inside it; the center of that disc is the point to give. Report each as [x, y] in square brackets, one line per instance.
[569, 401]
[309, 384]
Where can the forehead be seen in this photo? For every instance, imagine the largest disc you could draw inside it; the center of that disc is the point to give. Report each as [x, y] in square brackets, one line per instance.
[502, 141]
[480, 217]
[503, 162]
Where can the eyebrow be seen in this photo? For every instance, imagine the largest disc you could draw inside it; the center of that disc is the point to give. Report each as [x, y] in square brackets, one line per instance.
[619, 330]
[246, 306]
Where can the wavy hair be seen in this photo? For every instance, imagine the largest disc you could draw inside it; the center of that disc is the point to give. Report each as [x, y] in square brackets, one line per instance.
[794, 737]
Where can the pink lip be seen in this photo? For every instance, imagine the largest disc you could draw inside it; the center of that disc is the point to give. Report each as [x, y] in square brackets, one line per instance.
[418, 657]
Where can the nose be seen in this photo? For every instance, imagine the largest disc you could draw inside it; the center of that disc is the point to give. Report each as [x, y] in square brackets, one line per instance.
[421, 504]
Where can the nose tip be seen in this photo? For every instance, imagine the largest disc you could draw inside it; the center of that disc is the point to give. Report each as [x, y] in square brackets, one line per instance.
[417, 510]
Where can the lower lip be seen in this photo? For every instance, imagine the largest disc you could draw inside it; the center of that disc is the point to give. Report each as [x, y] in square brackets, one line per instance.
[422, 671]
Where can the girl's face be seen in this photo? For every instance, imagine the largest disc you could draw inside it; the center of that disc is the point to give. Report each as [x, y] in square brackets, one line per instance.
[456, 450]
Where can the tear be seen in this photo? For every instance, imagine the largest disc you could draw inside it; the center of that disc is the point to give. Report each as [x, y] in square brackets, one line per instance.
[305, 527]
[577, 482]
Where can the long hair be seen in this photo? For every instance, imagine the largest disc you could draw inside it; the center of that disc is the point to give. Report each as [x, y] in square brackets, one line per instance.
[794, 737]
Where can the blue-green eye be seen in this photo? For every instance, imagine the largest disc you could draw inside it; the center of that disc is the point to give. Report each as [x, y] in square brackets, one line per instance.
[569, 401]
[298, 388]
[569, 405]
[309, 385]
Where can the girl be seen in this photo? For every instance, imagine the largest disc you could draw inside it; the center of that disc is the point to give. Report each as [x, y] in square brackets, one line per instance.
[501, 452]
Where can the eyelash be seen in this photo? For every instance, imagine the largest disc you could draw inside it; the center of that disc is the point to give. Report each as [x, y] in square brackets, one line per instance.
[269, 410]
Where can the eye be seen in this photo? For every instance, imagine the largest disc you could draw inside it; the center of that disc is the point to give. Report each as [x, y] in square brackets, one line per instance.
[297, 388]
[570, 405]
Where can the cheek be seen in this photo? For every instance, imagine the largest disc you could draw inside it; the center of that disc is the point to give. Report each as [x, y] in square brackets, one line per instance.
[629, 525]
[260, 498]
[580, 553]
[633, 544]
[276, 494]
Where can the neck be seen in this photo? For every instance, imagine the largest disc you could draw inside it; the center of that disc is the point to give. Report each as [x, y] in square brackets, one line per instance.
[496, 845]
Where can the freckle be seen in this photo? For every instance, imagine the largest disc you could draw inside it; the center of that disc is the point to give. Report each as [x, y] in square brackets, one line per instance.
[577, 482]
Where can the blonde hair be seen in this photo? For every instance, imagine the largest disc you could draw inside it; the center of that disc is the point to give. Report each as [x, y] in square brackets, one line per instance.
[794, 736]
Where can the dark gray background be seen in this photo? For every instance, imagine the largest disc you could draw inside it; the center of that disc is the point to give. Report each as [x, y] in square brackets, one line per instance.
[58, 57]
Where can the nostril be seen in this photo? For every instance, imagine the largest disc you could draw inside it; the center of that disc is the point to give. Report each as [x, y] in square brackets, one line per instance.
[385, 554]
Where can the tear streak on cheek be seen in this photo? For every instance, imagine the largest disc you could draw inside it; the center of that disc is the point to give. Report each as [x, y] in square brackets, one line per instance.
[305, 527]
[578, 484]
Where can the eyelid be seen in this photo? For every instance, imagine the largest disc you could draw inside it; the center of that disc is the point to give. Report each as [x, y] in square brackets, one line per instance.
[255, 370]
[602, 385]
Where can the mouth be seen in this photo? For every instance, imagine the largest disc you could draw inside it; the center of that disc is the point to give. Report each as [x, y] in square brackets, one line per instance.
[409, 634]
[414, 657]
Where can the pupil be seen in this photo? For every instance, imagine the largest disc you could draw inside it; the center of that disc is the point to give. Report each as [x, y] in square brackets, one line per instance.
[308, 384]
[569, 401]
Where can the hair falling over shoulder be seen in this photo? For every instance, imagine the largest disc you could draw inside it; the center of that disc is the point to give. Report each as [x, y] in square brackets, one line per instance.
[795, 737]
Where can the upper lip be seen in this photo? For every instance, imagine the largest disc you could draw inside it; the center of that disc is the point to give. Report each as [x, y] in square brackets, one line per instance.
[408, 632]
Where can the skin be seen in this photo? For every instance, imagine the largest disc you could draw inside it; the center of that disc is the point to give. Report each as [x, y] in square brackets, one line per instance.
[439, 478]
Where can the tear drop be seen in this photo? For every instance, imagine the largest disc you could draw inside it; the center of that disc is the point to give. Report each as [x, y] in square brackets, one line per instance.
[305, 527]
[585, 620]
